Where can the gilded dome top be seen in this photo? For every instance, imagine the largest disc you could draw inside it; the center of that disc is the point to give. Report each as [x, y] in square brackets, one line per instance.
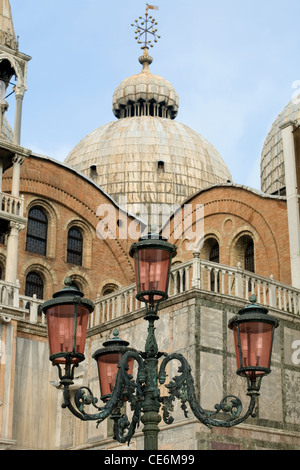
[272, 158]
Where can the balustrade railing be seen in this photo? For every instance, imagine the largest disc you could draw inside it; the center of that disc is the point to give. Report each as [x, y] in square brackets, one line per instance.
[11, 205]
[9, 293]
[32, 307]
[200, 274]
[210, 277]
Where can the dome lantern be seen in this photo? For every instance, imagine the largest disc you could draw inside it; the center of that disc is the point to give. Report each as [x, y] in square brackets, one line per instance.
[145, 94]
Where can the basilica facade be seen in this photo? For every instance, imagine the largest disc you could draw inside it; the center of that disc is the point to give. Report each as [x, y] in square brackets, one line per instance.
[78, 219]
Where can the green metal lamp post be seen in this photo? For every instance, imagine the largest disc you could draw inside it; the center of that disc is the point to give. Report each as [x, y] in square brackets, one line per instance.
[253, 332]
[152, 257]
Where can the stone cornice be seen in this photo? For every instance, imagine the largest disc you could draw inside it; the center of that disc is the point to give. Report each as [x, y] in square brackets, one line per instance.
[13, 149]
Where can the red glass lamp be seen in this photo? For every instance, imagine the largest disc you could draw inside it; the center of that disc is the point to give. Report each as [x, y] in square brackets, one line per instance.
[253, 331]
[67, 319]
[152, 260]
[108, 359]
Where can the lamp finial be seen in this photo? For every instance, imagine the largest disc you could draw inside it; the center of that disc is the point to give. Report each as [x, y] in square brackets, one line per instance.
[68, 281]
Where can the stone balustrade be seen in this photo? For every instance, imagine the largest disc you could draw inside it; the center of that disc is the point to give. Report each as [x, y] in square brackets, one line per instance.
[194, 274]
[210, 277]
[11, 206]
[9, 293]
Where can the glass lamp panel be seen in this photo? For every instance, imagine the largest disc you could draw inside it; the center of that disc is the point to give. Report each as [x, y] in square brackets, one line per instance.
[256, 345]
[63, 337]
[153, 268]
[108, 369]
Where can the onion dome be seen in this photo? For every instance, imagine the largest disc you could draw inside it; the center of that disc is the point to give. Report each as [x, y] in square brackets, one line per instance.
[145, 94]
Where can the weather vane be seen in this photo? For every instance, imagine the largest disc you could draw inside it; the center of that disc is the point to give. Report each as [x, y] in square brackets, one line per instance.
[146, 27]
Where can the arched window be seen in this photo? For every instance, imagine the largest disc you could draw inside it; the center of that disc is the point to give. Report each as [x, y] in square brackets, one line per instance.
[214, 256]
[37, 227]
[75, 246]
[249, 256]
[34, 285]
[109, 289]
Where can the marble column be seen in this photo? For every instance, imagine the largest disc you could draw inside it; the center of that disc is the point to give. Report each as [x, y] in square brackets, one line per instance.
[17, 162]
[12, 252]
[292, 196]
[8, 331]
[19, 92]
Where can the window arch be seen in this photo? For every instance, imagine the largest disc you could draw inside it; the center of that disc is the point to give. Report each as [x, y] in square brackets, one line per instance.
[211, 252]
[75, 246]
[37, 228]
[78, 282]
[244, 252]
[34, 285]
[109, 289]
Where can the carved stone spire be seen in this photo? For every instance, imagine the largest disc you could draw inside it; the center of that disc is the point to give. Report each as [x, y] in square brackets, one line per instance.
[7, 32]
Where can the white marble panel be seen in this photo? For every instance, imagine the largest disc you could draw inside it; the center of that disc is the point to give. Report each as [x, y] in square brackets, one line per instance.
[211, 322]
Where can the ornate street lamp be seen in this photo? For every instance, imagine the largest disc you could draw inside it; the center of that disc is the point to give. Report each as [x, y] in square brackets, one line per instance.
[67, 319]
[108, 359]
[152, 257]
[253, 332]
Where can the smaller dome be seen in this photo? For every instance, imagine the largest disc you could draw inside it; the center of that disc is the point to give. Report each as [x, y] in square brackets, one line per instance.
[272, 158]
[145, 94]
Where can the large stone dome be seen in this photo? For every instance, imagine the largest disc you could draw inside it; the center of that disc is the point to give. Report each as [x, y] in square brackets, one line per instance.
[149, 159]
[272, 158]
[146, 157]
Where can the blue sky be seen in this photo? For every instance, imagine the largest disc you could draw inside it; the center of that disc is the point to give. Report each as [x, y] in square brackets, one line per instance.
[233, 64]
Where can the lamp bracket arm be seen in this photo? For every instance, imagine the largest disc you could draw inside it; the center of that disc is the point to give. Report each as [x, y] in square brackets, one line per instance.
[133, 392]
[124, 388]
[122, 424]
[182, 387]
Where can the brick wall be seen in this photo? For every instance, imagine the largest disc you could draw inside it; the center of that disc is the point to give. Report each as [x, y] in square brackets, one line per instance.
[68, 198]
[232, 212]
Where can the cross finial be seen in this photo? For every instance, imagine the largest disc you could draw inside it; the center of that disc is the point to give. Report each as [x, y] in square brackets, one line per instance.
[146, 27]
